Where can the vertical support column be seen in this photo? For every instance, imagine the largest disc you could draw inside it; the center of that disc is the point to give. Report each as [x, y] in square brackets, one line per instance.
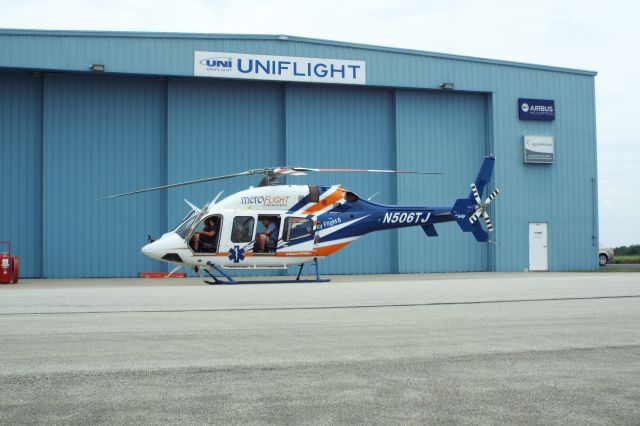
[165, 160]
[490, 125]
[40, 266]
[395, 235]
[284, 140]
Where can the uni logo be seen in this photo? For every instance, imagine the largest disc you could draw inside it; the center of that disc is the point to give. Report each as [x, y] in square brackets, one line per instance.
[217, 62]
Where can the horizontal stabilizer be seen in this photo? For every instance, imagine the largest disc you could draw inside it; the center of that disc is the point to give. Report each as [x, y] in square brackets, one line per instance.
[462, 210]
[430, 230]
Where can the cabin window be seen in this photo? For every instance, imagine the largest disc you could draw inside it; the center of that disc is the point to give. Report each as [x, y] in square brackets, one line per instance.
[297, 227]
[242, 230]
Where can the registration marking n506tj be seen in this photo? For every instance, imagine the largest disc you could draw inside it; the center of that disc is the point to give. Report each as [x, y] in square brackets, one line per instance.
[406, 217]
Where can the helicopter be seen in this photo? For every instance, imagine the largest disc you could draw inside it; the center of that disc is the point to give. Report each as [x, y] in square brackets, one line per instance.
[277, 225]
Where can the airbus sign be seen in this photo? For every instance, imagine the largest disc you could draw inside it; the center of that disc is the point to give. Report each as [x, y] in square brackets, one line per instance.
[536, 109]
[279, 68]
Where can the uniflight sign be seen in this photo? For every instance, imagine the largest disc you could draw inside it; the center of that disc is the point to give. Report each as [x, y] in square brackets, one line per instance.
[279, 68]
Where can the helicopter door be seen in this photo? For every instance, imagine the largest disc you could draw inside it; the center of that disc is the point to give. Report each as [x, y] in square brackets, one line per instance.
[297, 234]
[268, 233]
[206, 236]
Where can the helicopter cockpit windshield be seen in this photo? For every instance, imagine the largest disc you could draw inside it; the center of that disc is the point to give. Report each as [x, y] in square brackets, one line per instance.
[183, 227]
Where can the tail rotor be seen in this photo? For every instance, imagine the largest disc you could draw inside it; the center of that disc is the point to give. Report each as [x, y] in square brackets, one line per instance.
[481, 207]
[468, 211]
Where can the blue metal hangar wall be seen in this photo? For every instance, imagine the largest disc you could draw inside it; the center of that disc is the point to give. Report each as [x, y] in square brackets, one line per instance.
[161, 108]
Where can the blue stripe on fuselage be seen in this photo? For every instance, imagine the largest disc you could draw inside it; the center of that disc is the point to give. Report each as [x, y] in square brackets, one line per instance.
[369, 217]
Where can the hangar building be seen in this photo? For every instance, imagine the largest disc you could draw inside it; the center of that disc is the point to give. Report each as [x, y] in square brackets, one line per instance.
[88, 114]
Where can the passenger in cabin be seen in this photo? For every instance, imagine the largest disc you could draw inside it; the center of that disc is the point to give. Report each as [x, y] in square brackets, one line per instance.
[205, 240]
[267, 240]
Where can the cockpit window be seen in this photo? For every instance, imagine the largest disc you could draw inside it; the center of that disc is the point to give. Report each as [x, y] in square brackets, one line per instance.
[187, 217]
[242, 230]
[297, 227]
[183, 228]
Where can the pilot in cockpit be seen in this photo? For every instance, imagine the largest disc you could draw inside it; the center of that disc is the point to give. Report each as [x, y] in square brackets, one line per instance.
[205, 240]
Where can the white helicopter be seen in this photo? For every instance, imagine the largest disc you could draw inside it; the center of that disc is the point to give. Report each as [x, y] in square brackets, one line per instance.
[275, 226]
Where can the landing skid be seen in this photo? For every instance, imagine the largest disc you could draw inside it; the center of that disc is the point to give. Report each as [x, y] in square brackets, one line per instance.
[227, 279]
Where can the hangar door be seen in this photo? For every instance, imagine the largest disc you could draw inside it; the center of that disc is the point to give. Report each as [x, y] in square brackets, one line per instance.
[102, 135]
[217, 128]
[21, 169]
[330, 126]
[439, 132]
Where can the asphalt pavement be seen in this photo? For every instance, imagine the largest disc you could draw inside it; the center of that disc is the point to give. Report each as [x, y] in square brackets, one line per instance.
[418, 349]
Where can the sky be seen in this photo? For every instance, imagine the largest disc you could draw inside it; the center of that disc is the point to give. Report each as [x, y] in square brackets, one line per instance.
[584, 34]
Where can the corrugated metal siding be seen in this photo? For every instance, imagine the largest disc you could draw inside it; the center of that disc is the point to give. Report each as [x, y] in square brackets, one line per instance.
[21, 169]
[562, 193]
[101, 136]
[346, 127]
[174, 124]
[439, 132]
[217, 128]
[173, 56]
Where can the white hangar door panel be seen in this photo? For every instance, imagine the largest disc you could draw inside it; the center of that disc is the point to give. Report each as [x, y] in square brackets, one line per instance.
[443, 132]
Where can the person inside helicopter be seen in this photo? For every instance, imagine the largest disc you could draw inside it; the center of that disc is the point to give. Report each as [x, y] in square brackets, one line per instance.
[267, 240]
[206, 240]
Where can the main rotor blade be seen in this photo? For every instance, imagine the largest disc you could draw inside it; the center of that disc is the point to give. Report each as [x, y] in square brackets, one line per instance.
[191, 182]
[306, 169]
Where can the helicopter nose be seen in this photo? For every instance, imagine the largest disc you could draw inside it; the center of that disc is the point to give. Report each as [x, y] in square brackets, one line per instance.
[160, 247]
[152, 250]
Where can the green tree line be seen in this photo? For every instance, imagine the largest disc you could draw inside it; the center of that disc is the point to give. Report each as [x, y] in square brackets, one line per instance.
[632, 250]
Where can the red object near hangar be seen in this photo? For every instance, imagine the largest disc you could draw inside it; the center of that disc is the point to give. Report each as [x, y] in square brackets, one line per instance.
[9, 265]
[162, 275]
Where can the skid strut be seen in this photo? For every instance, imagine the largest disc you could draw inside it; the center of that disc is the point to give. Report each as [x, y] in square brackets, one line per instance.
[227, 279]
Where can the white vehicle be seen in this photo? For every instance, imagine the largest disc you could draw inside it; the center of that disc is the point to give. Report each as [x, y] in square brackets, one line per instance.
[605, 255]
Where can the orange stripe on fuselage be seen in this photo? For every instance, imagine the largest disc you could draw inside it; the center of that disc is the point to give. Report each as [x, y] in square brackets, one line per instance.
[326, 201]
[327, 250]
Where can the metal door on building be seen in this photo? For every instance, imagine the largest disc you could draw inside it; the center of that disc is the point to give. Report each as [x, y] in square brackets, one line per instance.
[101, 136]
[439, 132]
[538, 247]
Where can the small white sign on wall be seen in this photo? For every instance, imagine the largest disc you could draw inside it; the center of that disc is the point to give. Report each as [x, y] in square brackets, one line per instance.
[539, 149]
